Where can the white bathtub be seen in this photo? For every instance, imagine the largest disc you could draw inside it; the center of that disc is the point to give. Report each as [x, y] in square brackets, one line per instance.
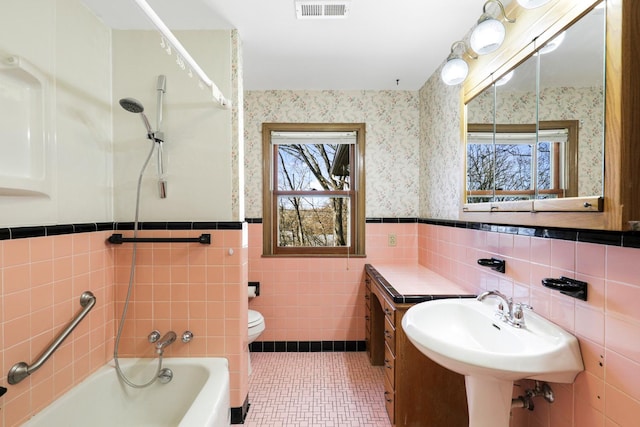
[198, 396]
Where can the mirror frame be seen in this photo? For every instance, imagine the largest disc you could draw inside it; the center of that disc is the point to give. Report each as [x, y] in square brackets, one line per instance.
[619, 208]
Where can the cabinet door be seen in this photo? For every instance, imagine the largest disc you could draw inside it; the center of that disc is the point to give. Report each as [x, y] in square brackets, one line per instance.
[572, 89]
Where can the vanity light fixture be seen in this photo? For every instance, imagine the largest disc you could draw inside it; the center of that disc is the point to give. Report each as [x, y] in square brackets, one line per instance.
[489, 34]
[456, 69]
[532, 4]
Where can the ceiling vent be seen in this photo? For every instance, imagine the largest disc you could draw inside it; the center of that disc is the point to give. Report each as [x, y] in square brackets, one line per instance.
[318, 9]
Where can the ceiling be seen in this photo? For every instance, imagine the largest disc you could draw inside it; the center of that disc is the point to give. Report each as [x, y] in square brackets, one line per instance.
[382, 45]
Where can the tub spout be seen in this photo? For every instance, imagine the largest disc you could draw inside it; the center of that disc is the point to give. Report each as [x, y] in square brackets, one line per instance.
[165, 341]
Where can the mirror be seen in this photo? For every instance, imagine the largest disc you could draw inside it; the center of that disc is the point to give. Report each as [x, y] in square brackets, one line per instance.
[538, 131]
[572, 88]
[480, 158]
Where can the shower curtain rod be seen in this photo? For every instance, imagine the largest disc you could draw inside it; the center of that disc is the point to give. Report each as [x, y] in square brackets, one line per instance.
[182, 52]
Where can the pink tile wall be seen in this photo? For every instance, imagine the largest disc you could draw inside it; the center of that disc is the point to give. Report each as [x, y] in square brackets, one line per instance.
[41, 283]
[203, 289]
[607, 393]
[321, 299]
[187, 286]
[178, 287]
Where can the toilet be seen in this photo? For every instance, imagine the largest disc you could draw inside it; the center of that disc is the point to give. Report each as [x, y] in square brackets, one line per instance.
[256, 327]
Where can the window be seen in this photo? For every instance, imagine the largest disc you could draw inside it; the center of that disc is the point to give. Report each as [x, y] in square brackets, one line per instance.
[313, 184]
[508, 165]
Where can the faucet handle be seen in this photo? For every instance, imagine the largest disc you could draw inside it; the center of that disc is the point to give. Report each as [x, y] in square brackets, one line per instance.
[518, 313]
[506, 310]
[187, 336]
[519, 306]
[153, 336]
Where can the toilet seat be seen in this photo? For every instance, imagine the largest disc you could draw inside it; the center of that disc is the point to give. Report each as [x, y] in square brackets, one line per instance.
[255, 318]
[255, 329]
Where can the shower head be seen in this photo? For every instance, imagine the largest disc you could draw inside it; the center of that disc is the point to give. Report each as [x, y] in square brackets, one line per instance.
[134, 106]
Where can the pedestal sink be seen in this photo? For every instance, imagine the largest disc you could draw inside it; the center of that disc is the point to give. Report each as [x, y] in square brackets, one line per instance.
[465, 336]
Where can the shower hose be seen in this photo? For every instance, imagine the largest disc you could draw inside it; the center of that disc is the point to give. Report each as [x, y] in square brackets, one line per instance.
[121, 374]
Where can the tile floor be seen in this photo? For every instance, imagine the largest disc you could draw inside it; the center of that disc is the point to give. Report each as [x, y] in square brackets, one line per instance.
[315, 390]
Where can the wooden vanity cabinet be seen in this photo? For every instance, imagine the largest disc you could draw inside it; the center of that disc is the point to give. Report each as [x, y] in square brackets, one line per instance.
[418, 391]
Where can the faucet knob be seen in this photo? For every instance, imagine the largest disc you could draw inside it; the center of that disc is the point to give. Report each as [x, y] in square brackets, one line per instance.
[506, 311]
[518, 314]
[187, 336]
[153, 336]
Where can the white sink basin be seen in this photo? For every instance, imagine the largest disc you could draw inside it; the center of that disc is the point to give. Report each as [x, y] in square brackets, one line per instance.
[465, 336]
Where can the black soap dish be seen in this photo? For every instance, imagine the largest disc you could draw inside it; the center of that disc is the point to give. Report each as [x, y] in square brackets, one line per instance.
[570, 287]
[495, 264]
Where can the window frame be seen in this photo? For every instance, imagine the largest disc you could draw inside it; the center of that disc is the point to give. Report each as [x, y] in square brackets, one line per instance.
[356, 192]
[570, 155]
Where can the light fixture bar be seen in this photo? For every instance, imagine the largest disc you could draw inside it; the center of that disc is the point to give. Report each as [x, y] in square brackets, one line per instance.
[182, 52]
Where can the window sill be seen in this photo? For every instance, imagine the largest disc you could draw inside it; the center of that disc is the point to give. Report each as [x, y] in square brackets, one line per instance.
[313, 256]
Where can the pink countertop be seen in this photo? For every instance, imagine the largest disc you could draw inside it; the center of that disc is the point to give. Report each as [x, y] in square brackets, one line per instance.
[413, 282]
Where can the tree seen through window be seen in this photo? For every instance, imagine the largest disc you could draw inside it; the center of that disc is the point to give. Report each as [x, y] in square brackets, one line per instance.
[310, 220]
[314, 189]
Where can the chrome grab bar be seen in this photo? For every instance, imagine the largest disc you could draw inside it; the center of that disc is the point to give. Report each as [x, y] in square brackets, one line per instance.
[21, 370]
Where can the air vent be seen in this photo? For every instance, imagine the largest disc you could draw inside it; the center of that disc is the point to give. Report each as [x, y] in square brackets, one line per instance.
[327, 9]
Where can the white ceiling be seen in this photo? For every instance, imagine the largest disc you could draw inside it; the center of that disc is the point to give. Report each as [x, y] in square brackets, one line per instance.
[380, 42]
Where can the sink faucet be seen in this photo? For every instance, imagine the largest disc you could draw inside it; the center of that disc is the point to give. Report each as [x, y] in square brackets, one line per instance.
[504, 305]
[165, 341]
[506, 310]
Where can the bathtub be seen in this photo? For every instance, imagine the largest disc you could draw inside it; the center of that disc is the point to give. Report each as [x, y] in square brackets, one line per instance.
[198, 396]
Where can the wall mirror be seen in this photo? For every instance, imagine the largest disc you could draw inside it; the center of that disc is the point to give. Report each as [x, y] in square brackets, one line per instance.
[535, 135]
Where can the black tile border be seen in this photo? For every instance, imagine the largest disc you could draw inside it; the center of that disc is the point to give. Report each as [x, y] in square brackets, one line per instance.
[306, 346]
[385, 220]
[239, 414]
[630, 239]
[57, 230]
[53, 230]
[181, 225]
[27, 232]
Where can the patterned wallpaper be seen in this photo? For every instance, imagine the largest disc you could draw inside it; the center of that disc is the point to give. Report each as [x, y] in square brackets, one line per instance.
[586, 105]
[414, 153]
[392, 161]
[441, 150]
[237, 124]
